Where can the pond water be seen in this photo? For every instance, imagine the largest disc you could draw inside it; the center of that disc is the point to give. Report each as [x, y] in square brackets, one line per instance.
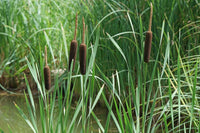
[12, 121]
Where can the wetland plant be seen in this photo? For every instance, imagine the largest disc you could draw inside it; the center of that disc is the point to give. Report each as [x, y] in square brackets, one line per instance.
[47, 73]
[73, 46]
[148, 39]
[82, 52]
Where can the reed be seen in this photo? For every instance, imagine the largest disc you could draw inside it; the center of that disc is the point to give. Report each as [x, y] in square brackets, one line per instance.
[148, 39]
[73, 46]
[82, 52]
[47, 73]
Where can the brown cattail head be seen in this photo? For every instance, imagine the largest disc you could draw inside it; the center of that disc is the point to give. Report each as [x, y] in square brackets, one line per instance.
[72, 55]
[148, 39]
[47, 77]
[82, 52]
[47, 73]
[73, 47]
[82, 58]
[147, 48]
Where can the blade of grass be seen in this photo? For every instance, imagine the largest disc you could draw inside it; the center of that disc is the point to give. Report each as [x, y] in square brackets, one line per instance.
[25, 118]
[118, 48]
[193, 96]
[96, 100]
[98, 122]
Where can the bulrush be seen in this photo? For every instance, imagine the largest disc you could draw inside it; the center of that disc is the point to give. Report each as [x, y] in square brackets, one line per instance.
[82, 52]
[73, 46]
[148, 40]
[47, 73]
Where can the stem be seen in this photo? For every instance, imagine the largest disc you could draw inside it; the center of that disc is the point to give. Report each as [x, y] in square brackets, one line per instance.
[76, 24]
[150, 19]
[45, 55]
[83, 37]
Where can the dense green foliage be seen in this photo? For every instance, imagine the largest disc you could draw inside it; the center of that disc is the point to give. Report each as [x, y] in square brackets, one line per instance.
[161, 96]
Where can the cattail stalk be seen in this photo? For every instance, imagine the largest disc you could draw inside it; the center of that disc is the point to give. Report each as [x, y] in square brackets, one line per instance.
[148, 40]
[47, 73]
[82, 52]
[73, 47]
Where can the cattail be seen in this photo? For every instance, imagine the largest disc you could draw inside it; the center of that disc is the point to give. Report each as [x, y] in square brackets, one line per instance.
[73, 47]
[82, 52]
[47, 73]
[148, 40]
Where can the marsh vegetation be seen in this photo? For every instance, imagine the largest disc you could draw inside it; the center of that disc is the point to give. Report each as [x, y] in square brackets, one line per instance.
[135, 85]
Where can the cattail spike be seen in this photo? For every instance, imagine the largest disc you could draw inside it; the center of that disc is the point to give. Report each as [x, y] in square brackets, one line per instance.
[82, 52]
[150, 18]
[73, 47]
[147, 48]
[47, 77]
[148, 39]
[47, 73]
[72, 55]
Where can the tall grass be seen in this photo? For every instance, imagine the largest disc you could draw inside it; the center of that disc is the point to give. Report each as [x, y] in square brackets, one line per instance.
[161, 96]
